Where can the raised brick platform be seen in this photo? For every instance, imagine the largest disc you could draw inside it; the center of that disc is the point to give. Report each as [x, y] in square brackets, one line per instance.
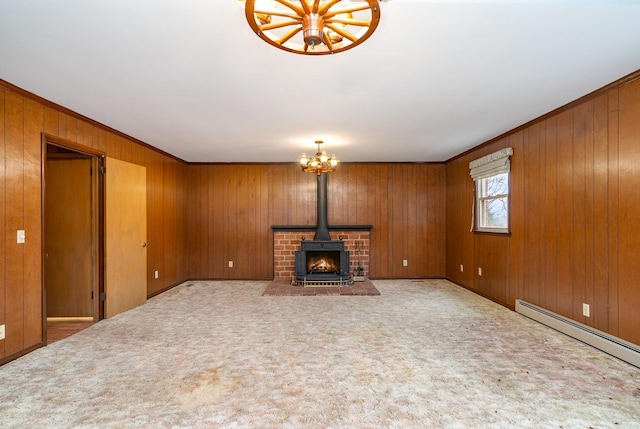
[283, 287]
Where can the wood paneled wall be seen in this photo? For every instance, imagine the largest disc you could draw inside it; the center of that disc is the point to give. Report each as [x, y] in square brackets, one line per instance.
[233, 206]
[23, 119]
[575, 211]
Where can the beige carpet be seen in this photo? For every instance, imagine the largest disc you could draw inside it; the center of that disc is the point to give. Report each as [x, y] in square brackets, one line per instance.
[423, 354]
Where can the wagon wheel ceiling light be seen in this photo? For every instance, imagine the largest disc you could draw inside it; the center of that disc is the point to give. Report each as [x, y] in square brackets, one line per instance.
[313, 27]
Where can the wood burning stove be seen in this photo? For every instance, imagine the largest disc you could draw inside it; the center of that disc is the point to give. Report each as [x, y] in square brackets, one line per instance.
[322, 263]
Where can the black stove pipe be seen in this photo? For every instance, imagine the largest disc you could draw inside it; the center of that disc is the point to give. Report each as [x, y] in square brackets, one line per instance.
[322, 227]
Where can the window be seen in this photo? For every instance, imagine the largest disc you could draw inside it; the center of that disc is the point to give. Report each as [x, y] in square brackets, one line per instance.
[491, 205]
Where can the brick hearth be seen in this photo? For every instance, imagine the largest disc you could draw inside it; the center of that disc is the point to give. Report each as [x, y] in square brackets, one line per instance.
[283, 287]
[286, 243]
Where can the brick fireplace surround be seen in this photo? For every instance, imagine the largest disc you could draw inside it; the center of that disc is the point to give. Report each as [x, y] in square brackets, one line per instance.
[286, 241]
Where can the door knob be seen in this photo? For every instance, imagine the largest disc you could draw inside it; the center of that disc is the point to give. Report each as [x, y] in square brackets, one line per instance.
[145, 244]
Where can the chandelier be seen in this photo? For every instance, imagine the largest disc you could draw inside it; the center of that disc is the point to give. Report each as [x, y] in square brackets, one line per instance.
[320, 163]
[313, 27]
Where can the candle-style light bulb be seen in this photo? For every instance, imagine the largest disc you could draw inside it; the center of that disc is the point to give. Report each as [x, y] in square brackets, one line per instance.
[324, 158]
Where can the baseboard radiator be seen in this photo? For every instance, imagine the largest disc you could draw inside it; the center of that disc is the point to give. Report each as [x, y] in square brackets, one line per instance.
[614, 346]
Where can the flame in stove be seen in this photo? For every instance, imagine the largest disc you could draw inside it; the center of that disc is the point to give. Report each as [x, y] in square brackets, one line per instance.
[321, 265]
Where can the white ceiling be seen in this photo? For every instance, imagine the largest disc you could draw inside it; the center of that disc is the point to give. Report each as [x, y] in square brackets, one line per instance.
[435, 79]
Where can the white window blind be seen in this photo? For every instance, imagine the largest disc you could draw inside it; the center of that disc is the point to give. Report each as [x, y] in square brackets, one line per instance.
[490, 165]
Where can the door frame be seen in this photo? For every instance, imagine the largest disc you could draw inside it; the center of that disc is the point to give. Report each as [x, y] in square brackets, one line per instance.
[97, 210]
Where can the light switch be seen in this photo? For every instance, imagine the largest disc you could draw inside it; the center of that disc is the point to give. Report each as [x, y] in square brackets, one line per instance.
[21, 236]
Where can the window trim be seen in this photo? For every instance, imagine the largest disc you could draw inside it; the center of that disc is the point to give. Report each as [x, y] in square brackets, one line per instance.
[477, 204]
[483, 168]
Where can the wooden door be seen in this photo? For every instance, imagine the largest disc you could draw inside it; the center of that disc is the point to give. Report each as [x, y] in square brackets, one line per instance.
[69, 238]
[125, 236]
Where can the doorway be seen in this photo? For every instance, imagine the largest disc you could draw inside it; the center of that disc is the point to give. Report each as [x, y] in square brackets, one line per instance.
[73, 236]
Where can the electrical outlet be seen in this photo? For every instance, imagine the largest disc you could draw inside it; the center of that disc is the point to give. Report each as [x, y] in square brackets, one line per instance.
[479, 271]
[230, 264]
[405, 263]
[155, 274]
[1, 332]
[585, 310]
[461, 268]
